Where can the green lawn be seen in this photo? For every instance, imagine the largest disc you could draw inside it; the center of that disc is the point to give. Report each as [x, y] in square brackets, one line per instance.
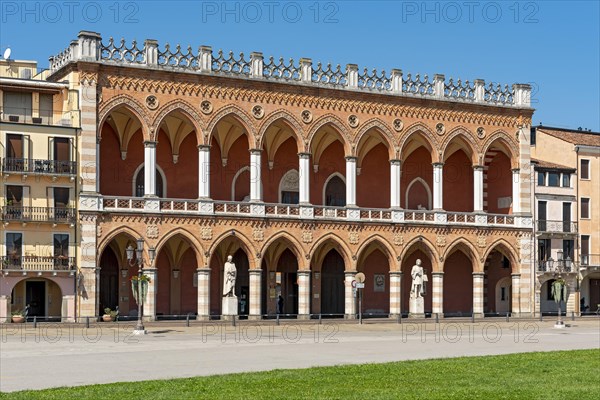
[548, 376]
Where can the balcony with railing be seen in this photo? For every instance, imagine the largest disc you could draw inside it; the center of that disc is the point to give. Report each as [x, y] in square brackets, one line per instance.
[42, 167]
[56, 215]
[37, 263]
[296, 211]
[554, 266]
[590, 260]
[28, 115]
[551, 227]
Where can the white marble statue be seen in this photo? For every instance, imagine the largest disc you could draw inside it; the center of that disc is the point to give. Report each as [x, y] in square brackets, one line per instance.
[229, 280]
[417, 280]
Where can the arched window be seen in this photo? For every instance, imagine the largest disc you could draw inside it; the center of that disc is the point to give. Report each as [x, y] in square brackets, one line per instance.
[418, 195]
[335, 191]
[289, 188]
[139, 183]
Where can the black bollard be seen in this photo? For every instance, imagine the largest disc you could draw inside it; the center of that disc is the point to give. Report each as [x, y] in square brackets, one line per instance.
[35, 321]
[187, 320]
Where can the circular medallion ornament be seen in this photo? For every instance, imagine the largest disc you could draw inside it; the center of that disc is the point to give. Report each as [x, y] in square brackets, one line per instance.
[480, 132]
[353, 121]
[306, 116]
[206, 107]
[258, 112]
[398, 125]
[440, 129]
[152, 102]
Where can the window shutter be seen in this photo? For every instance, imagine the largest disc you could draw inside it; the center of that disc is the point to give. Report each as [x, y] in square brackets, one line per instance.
[71, 202]
[26, 199]
[50, 148]
[50, 194]
[72, 154]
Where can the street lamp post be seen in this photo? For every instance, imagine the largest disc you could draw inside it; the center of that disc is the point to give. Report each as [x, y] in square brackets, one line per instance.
[139, 261]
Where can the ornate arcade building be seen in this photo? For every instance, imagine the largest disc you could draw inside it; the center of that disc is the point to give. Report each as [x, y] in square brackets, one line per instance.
[305, 174]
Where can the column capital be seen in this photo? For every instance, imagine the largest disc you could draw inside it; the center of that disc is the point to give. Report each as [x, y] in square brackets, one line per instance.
[304, 155]
[149, 143]
[351, 158]
[437, 164]
[149, 270]
[478, 167]
[204, 147]
[515, 170]
[437, 273]
[396, 161]
[515, 275]
[203, 270]
[255, 151]
[396, 273]
[255, 271]
[350, 273]
[303, 272]
[479, 273]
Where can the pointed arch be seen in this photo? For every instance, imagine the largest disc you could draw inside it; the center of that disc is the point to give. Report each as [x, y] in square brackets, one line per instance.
[419, 134]
[329, 178]
[290, 120]
[131, 105]
[378, 242]
[506, 249]
[235, 178]
[331, 241]
[183, 107]
[318, 142]
[236, 113]
[292, 243]
[503, 141]
[427, 189]
[189, 237]
[421, 243]
[460, 138]
[379, 129]
[126, 230]
[234, 235]
[467, 248]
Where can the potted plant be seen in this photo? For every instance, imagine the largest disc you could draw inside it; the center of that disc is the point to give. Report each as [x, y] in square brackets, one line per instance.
[18, 317]
[109, 315]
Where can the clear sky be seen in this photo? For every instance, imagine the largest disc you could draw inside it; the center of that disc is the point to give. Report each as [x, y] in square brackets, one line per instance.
[553, 45]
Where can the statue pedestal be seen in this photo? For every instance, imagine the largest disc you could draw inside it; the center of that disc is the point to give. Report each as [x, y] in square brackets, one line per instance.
[229, 307]
[417, 307]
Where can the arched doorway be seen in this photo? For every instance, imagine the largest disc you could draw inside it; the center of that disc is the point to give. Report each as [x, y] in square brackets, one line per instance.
[376, 293]
[497, 284]
[43, 296]
[458, 285]
[407, 263]
[335, 192]
[286, 278]
[139, 183]
[242, 282]
[332, 283]
[109, 281]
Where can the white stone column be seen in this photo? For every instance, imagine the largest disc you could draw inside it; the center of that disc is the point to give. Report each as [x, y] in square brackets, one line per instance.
[304, 172]
[478, 188]
[68, 308]
[149, 305]
[5, 309]
[515, 308]
[351, 181]
[437, 293]
[204, 172]
[395, 172]
[478, 293]
[97, 165]
[304, 294]
[516, 191]
[349, 299]
[255, 175]
[255, 294]
[395, 293]
[203, 293]
[149, 168]
[438, 190]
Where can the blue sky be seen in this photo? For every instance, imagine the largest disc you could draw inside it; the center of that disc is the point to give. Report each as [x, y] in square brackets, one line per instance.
[553, 45]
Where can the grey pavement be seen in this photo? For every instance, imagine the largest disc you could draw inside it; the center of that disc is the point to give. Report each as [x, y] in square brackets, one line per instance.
[55, 355]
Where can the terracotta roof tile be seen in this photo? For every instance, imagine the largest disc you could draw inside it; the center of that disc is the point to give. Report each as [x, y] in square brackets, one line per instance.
[549, 165]
[582, 138]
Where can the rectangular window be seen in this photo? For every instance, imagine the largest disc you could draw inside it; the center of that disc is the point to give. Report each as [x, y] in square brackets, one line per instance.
[549, 295]
[61, 251]
[585, 169]
[585, 207]
[553, 179]
[568, 249]
[566, 180]
[532, 137]
[542, 216]
[46, 108]
[541, 179]
[543, 249]
[585, 249]
[61, 197]
[14, 248]
[17, 105]
[566, 217]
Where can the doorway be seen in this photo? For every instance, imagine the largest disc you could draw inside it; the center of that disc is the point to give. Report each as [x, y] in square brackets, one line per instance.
[35, 297]
[332, 284]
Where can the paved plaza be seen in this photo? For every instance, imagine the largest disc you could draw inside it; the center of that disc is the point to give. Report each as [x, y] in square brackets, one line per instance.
[53, 355]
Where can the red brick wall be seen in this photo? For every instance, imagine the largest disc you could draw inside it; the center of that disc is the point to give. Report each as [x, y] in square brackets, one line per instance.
[286, 159]
[458, 284]
[182, 178]
[189, 293]
[417, 164]
[116, 175]
[221, 177]
[494, 272]
[332, 160]
[163, 294]
[375, 263]
[458, 183]
[499, 183]
[373, 183]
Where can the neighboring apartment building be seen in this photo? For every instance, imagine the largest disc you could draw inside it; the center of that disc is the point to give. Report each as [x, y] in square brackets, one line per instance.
[306, 174]
[566, 194]
[38, 130]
